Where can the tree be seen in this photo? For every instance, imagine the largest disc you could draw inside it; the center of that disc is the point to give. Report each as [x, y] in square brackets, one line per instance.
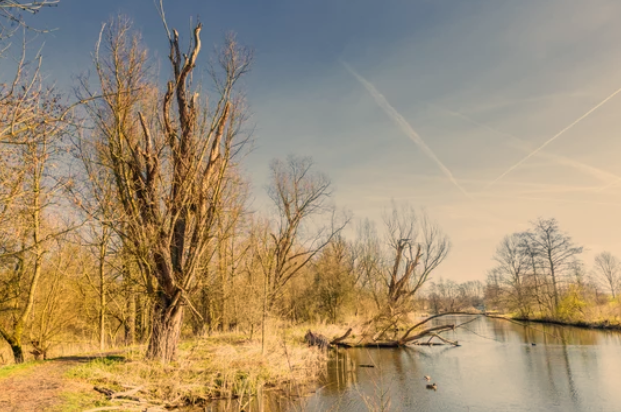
[7, 7]
[608, 269]
[299, 193]
[31, 116]
[419, 248]
[554, 250]
[10, 11]
[334, 278]
[513, 267]
[166, 155]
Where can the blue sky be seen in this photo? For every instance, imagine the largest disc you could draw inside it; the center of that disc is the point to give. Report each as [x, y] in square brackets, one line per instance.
[483, 83]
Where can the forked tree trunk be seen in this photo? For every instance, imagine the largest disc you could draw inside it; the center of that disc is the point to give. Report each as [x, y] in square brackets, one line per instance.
[165, 330]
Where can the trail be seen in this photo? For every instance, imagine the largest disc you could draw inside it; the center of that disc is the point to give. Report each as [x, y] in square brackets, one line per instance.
[40, 387]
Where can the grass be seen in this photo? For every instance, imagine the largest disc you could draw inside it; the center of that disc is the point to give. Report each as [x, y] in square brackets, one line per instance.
[79, 401]
[607, 315]
[222, 366]
[12, 370]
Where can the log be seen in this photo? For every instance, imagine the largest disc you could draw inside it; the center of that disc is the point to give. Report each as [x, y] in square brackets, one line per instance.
[128, 395]
[316, 339]
[338, 340]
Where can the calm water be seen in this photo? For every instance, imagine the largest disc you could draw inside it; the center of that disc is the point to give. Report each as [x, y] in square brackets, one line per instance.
[496, 369]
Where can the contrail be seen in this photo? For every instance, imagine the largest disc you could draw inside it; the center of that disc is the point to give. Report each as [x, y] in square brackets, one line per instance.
[404, 125]
[609, 185]
[537, 150]
[544, 199]
[521, 144]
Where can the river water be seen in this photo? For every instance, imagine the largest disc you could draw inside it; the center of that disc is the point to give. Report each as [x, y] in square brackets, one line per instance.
[496, 369]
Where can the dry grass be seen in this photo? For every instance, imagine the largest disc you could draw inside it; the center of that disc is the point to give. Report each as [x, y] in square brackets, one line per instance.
[227, 365]
[72, 347]
[609, 312]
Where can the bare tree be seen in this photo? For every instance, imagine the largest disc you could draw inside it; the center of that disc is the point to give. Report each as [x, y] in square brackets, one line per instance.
[368, 260]
[299, 193]
[554, 249]
[32, 128]
[608, 269]
[167, 156]
[334, 278]
[11, 12]
[419, 247]
[513, 267]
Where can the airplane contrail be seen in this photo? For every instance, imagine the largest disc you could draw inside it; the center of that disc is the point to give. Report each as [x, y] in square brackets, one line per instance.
[609, 185]
[404, 125]
[550, 140]
[523, 145]
[544, 199]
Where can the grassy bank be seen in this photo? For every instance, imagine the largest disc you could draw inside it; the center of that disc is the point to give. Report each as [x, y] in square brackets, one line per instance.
[222, 366]
[604, 317]
[602, 325]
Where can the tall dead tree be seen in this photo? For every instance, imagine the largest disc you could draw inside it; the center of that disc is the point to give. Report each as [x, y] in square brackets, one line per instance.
[167, 154]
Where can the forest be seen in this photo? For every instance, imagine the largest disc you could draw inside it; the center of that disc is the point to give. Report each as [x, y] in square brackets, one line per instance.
[126, 222]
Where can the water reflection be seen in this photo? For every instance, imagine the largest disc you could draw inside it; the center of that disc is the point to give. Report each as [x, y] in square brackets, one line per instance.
[496, 369]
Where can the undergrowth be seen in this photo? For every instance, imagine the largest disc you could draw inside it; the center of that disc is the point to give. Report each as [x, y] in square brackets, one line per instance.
[226, 365]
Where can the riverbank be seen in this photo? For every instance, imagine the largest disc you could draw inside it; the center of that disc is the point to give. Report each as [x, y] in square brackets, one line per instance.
[602, 325]
[222, 366]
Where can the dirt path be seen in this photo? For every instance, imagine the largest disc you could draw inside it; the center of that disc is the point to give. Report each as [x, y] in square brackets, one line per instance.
[40, 387]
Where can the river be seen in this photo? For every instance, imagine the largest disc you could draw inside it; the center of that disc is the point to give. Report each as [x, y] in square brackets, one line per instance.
[496, 369]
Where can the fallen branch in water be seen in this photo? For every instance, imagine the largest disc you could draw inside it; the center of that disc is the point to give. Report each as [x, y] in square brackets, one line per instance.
[315, 339]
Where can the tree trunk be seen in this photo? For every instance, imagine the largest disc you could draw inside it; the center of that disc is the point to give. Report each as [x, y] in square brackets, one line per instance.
[18, 352]
[130, 323]
[16, 346]
[102, 300]
[165, 329]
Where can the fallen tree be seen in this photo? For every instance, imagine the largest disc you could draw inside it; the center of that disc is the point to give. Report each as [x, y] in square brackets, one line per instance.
[316, 339]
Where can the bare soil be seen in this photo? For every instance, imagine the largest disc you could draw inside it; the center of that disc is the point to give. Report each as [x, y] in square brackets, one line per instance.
[40, 387]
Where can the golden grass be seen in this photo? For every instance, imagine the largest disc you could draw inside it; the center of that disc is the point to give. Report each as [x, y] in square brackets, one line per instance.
[609, 312]
[225, 365]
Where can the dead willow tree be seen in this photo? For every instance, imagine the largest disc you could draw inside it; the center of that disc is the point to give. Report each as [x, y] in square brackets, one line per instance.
[166, 155]
[419, 247]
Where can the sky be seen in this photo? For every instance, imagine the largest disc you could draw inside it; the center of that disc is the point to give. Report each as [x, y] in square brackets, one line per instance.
[487, 114]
